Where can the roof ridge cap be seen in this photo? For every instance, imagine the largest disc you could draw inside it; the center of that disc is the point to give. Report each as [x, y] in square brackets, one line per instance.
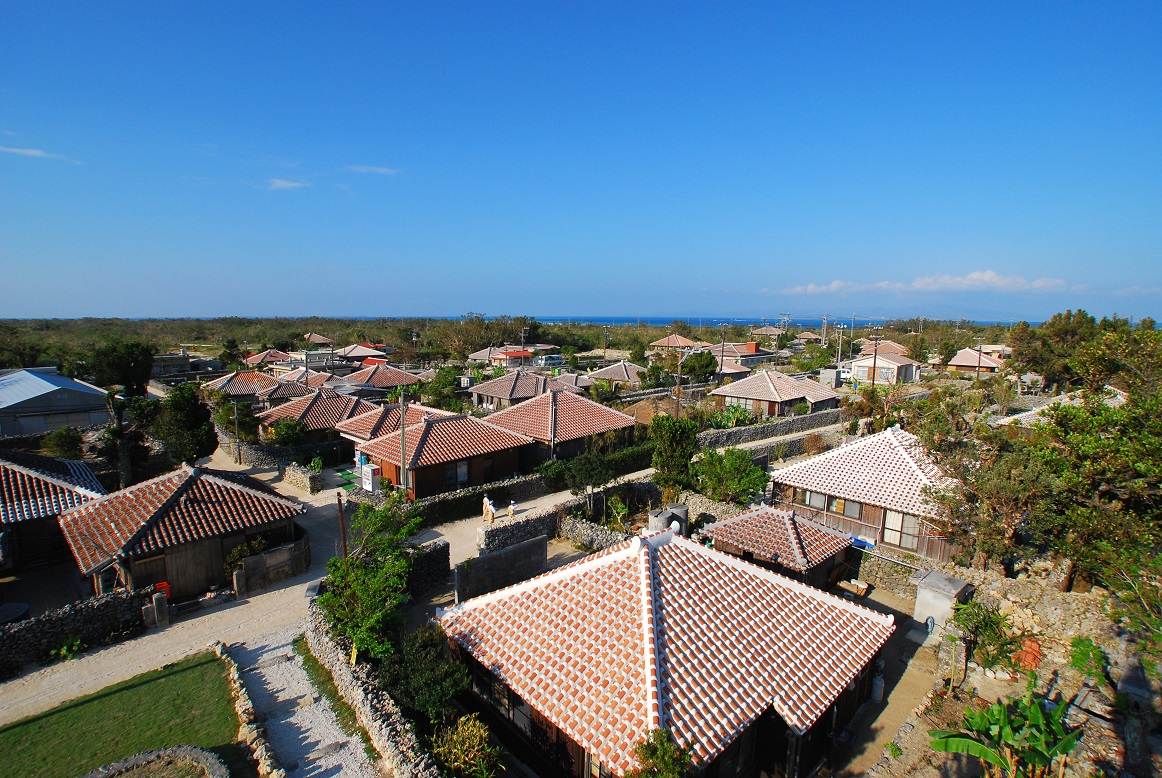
[51, 478]
[212, 475]
[797, 546]
[191, 473]
[649, 625]
[909, 457]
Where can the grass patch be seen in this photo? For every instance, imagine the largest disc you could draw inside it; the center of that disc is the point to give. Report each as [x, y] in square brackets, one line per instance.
[186, 703]
[322, 681]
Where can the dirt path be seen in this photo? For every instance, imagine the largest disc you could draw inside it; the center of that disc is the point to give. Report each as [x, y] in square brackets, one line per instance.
[300, 724]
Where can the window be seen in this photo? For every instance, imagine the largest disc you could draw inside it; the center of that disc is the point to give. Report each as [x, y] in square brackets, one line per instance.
[456, 474]
[816, 500]
[836, 504]
[901, 529]
[851, 509]
[800, 496]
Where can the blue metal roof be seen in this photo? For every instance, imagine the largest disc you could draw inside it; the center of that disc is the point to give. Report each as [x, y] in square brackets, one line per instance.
[20, 385]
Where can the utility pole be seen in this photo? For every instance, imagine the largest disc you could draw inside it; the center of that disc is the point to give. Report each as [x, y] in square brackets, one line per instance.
[605, 345]
[839, 328]
[342, 523]
[978, 340]
[825, 330]
[875, 353]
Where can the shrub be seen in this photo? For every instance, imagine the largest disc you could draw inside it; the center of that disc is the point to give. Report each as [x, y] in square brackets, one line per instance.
[240, 552]
[729, 476]
[675, 441]
[814, 444]
[72, 646]
[465, 751]
[288, 432]
[64, 443]
[554, 472]
[423, 676]
[989, 633]
[631, 458]
[801, 409]
[316, 465]
[778, 451]
[1088, 657]
[659, 757]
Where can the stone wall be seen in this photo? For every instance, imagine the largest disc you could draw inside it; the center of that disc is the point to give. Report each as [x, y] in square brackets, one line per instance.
[179, 756]
[100, 620]
[772, 429]
[463, 503]
[431, 566]
[390, 733]
[502, 568]
[704, 511]
[885, 572]
[250, 731]
[303, 478]
[588, 534]
[277, 564]
[274, 457]
[526, 526]
[687, 390]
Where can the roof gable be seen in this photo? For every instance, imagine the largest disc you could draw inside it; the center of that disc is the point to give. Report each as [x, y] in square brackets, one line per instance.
[624, 371]
[780, 536]
[889, 469]
[33, 487]
[384, 420]
[576, 417]
[622, 642]
[970, 358]
[517, 385]
[321, 410]
[183, 506]
[382, 377]
[445, 439]
[242, 382]
[773, 386]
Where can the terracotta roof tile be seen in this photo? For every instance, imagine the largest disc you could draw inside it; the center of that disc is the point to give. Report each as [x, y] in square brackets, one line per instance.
[665, 632]
[384, 420]
[886, 357]
[1115, 398]
[270, 355]
[773, 386]
[772, 534]
[314, 378]
[33, 487]
[625, 372]
[517, 385]
[322, 410]
[889, 469]
[185, 505]
[382, 377]
[242, 382]
[967, 358]
[444, 439]
[285, 390]
[576, 417]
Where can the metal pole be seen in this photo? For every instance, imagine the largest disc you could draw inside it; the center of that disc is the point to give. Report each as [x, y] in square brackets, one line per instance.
[342, 523]
[237, 438]
[875, 355]
[978, 340]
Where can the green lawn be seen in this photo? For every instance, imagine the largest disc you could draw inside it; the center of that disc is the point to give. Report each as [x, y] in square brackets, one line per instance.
[186, 703]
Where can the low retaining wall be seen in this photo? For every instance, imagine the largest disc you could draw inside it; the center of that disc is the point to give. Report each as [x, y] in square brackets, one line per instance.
[466, 502]
[885, 573]
[269, 567]
[302, 478]
[272, 457]
[390, 732]
[431, 566]
[101, 620]
[178, 755]
[772, 429]
[250, 731]
[588, 534]
[499, 569]
[632, 397]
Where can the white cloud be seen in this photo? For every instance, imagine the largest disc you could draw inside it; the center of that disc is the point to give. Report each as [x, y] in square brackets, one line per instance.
[275, 184]
[1138, 289]
[376, 169]
[976, 281]
[37, 153]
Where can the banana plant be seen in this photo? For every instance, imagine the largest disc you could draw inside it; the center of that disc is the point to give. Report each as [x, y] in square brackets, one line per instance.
[1020, 737]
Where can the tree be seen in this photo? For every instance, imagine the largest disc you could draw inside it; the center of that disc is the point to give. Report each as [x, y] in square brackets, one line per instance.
[65, 443]
[123, 441]
[245, 423]
[231, 354]
[659, 757]
[288, 432]
[185, 425]
[465, 750]
[918, 349]
[440, 392]
[729, 476]
[127, 364]
[700, 366]
[675, 441]
[366, 588]
[1019, 737]
[587, 472]
[637, 353]
[947, 350]
[423, 676]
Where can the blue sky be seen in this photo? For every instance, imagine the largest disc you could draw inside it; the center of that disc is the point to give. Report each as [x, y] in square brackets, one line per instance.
[980, 161]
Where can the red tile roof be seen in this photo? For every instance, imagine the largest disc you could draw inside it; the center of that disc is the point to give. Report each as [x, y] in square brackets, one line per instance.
[868, 347]
[382, 377]
[322, 340]
[776, 535]
[186, 505]
[674, 340]
[242, 382]
[517, 385]
[322, 410]
[33, 487]
[771, 385]
[314, 378]
[286, 390]
[887, 357]
[663, 632]
[625, 372]
[270, 355]
[444, 439]
[384, 420]
[966, 358]
[573, 380]
[889, 469]
[576, 417]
